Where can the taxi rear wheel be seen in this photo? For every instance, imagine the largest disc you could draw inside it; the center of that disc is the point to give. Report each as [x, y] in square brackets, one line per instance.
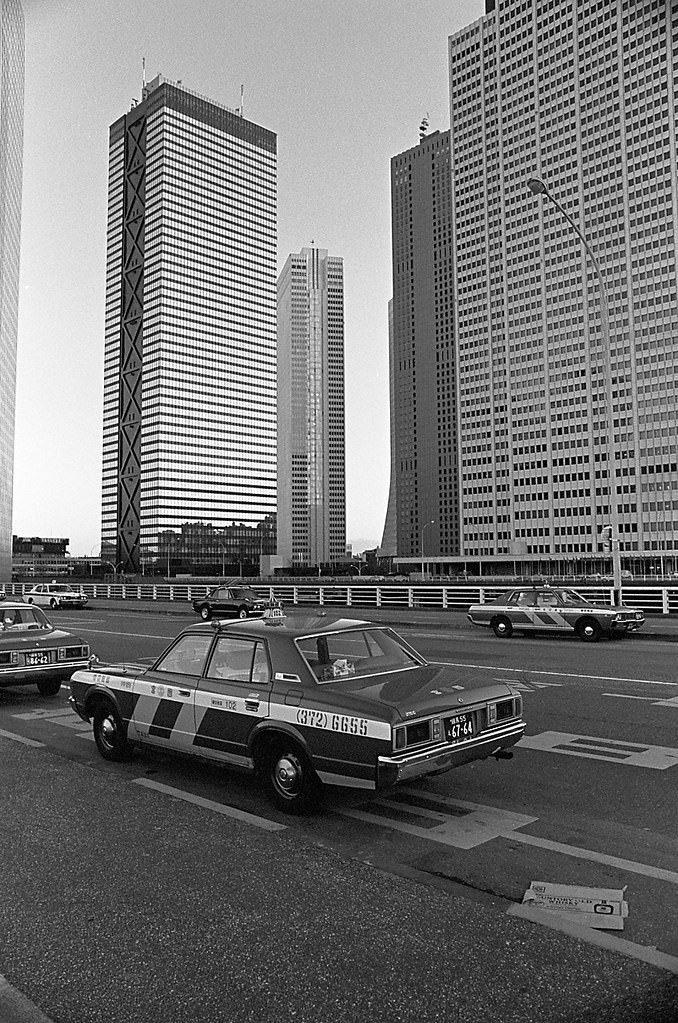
[109, 732]
[242, 612]
[205, 613]
[589, 630]
[502, 627]
[289, 777]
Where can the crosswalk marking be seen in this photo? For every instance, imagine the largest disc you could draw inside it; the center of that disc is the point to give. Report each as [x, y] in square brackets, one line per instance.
[471, 824]
[631, 754]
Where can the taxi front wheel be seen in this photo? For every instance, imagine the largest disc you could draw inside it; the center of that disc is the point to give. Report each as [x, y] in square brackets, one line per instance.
[289, 777]
[501, 626]
[109, 732]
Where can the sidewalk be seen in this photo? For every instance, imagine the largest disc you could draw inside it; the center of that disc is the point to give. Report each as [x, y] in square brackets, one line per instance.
[662, 627]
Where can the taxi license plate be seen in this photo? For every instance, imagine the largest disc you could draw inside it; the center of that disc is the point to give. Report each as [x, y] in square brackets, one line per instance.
[459, 728]
[37, 658]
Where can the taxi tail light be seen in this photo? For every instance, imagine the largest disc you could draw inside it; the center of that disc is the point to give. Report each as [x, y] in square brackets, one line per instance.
[503, 710]
[10, 657]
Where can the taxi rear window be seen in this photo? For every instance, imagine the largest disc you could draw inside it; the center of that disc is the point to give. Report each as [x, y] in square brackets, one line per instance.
[354, 653]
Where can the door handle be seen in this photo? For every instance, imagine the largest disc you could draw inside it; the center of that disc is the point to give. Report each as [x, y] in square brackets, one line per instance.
[184, 692]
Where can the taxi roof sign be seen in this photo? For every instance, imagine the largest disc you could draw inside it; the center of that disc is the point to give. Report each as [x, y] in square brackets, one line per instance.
[274, 616]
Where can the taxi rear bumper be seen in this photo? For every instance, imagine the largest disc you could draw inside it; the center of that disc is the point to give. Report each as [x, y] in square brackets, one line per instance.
[444, 756]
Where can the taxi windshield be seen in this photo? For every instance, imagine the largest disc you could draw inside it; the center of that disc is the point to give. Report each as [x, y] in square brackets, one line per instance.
[573, 598]
[355, 652]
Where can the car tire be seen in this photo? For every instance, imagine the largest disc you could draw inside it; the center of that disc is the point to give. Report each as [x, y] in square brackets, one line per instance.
[109, 732]
[205, 613]
[242, 612]
[53, 603]
[48, 686]
[501, 626]
[29, 600]
[289, 777]
[588, 630]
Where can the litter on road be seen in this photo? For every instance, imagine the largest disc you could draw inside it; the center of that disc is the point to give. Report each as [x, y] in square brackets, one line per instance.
[592, 907]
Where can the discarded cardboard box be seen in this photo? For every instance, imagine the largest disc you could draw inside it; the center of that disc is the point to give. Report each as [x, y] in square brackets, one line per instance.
[592, 907]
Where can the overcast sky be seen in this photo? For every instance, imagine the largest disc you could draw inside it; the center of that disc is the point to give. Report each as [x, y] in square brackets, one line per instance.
[343, 83]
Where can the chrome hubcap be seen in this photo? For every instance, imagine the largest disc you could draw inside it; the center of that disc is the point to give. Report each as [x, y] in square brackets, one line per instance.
[287, 775]
[108, 731]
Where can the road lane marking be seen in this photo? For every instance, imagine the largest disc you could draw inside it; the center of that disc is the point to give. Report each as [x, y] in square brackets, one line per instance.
[557, 674]
[632, 754]
[671, 702]
[19, 738]
[119, 633]
[646, 869]
[471, 823]
[210, 804]
[623, 946]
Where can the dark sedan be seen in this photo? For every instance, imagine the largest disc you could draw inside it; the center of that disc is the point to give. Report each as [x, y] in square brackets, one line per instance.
[232, 601]
[32, 650]
[303, 702]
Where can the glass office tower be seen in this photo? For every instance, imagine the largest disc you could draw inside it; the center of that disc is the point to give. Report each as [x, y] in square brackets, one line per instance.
[11, 162]
[311, 449]
[189, 467]
[423, 501]
[584, 96]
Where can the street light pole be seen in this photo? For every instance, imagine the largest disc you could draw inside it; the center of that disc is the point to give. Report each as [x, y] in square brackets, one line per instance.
[421, 546]
[537, 187]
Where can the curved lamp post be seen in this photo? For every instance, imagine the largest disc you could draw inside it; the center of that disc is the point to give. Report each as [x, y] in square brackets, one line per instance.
[422, 542]
[537, 187]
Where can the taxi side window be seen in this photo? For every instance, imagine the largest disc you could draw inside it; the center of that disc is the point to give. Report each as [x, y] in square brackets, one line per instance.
[524, 598]
[187, 656]
[238, 660]
[547, 599]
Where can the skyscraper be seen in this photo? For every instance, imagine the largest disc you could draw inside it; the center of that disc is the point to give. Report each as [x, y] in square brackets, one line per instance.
[422, 354]
[582, 95]
[189, 466]
[11, 162]
[311, 447]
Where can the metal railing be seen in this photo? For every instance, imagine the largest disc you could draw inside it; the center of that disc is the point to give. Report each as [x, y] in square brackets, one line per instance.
[652, 599]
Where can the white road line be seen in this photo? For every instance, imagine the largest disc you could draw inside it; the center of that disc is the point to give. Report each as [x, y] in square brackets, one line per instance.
[558, 674]
[210, 804]
[477, 824]
[120, 633]
[627, 948]
[19, 738]
[595, 857]
[594, 747]
[626, 696]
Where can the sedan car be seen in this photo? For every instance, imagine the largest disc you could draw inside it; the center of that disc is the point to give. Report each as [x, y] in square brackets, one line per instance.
[238, 601]
[32, 650]
[302, 702]
[541, 609]
[55, 595]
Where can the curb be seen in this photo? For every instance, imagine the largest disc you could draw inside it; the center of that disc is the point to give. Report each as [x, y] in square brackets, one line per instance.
[16, 1008]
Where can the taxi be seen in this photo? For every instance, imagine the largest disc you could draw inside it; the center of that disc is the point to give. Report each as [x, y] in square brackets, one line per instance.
[33, 651]
[55, 595]
[546, 609]
[304, 702]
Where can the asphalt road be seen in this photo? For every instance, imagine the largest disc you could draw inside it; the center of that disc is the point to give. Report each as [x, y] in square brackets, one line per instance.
[130, 892]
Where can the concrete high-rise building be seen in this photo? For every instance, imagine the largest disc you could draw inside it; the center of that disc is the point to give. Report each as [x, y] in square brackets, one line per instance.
[422, 355]
[584, 96]
[311, 443]
[189, 462]
[11, 163]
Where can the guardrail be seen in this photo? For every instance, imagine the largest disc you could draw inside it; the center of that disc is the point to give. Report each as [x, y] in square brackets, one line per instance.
[652, 599]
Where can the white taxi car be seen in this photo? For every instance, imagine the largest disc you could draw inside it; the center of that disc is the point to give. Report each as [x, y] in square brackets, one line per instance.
[55, 595]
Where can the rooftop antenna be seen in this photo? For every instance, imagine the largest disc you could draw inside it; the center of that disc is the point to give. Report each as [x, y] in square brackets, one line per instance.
[143, 72]
[242, 100]
[423, 127]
